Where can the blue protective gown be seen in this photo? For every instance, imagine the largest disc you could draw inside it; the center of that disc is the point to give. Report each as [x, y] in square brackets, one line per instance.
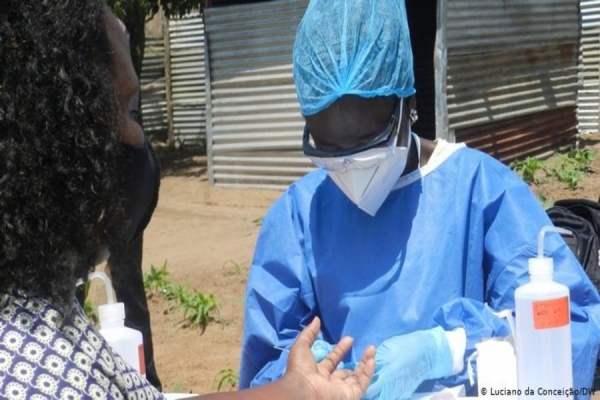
[450, 237]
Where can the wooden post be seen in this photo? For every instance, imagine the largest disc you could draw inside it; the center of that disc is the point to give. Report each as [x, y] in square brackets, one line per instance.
[168, 84]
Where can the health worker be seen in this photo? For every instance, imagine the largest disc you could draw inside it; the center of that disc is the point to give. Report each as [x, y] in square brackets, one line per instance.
[398, 241]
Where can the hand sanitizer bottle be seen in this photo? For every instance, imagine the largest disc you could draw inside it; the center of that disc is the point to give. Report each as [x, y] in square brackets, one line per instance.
[126, 342]
[543, 326]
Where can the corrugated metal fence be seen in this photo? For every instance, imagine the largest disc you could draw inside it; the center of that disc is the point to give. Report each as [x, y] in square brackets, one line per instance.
[499, 66]
[187, 65]
[588, 96]
[254, 121]
[506, 60]
[152, 81]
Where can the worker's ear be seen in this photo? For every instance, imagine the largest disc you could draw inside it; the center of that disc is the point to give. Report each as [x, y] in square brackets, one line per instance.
[412, 109]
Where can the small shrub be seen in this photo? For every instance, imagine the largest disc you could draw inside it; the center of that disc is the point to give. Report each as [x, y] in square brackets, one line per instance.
[527, 169]
[197, 308]
[568, 170]
[157, 279]
[582, 159]
[227, 378]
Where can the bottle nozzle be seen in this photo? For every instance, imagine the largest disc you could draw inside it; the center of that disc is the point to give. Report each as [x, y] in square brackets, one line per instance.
[110, 298]
[542, 234]
[541, 265]
[111, 311]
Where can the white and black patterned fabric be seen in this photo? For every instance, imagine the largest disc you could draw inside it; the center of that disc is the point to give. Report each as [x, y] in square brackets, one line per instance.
[42, 358]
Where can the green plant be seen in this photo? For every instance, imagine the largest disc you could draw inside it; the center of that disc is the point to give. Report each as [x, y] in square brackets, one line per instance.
[582, 158]
[173, 292]
[571, 167]
[156, 280]
[527, 169]
[177, 388]
[545, 202]
[197, 308]
[226, 378]
[258, 221]
[90, 311]
[568, 170]
[237, 268]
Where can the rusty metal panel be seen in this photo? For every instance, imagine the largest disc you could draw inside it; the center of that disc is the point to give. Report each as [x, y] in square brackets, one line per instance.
[188, 79]
[534, 134]
[588, 95]
[504, 61]
[254, 121]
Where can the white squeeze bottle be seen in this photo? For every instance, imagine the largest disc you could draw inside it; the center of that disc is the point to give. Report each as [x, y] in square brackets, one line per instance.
[543, 326]
[127, 342]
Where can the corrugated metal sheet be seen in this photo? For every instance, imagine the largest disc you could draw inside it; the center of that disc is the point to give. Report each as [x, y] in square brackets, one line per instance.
[496, 61]
[588, 96]
[188, 79]
[505, 59]
[523, 136]
[153, 95]
[255, 126]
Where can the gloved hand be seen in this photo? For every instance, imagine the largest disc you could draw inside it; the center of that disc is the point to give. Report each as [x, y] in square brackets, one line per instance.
[403, 362]
[321, 348]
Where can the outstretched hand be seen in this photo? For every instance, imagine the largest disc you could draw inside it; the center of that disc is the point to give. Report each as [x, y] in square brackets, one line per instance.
[322, 379]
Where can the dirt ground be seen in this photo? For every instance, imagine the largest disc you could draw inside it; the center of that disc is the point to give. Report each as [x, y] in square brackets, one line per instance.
[206, 236]
[202, 233]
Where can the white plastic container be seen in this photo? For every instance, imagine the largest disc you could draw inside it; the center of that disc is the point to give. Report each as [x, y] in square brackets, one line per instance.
[127, 342]
[496, 364]
[543, 325]
[496, 369]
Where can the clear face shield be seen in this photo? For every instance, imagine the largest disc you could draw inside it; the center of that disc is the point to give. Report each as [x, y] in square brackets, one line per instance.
[366, 174]
[381, 147]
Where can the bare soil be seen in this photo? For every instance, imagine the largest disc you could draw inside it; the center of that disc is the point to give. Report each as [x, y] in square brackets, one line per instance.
[206, 236]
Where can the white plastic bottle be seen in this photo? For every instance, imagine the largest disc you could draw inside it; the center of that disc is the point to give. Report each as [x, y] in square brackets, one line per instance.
[543, 326]
[127, 342]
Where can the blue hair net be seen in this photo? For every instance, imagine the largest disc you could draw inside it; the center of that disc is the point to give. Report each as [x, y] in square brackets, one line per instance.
[359, 47]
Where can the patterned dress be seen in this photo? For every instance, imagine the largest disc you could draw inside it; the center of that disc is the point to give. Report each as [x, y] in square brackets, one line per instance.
[42, 358]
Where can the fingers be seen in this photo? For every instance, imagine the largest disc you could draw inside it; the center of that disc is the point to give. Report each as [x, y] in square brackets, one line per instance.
[331, 361]
[300, 356]
[366, 368]
[359, 379]
[309, 334]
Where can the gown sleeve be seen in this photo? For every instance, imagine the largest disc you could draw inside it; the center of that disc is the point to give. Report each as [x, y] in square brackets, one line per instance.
[279, 296]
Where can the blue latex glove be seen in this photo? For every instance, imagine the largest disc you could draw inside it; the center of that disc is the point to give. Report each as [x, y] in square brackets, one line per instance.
[403, 362]
[321, 348]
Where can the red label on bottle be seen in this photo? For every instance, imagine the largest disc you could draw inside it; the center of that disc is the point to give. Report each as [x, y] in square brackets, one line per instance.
[549, 314]
[141, 358]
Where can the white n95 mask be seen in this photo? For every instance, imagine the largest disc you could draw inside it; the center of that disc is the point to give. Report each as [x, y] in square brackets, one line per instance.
[371, 175]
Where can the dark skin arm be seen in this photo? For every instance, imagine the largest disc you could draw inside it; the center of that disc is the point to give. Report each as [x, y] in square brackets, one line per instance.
[307, 380]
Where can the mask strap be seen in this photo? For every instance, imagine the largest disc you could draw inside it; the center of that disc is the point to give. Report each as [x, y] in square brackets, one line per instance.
[418, 144]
